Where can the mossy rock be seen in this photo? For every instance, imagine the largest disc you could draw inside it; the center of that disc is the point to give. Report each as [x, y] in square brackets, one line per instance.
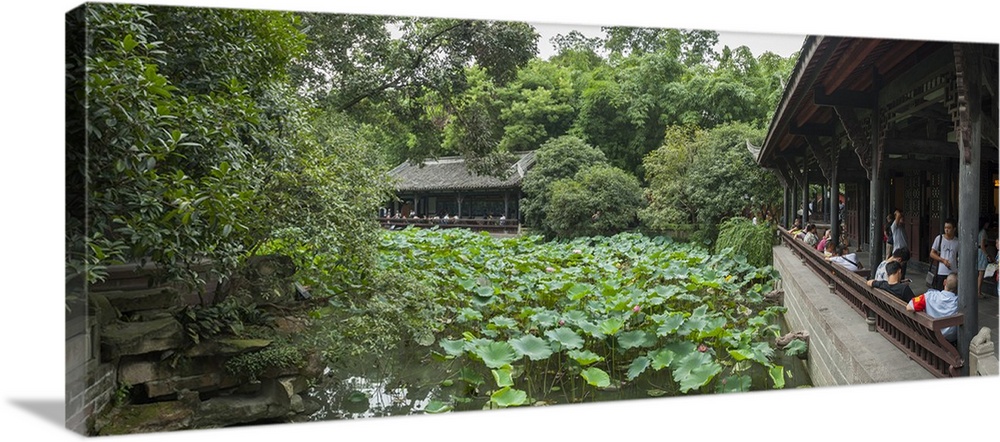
[147, 418]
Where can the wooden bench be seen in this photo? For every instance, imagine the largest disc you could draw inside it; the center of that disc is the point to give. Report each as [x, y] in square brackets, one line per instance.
[915, 333]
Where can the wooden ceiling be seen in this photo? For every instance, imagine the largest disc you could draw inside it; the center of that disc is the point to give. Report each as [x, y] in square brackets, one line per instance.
[852, 71]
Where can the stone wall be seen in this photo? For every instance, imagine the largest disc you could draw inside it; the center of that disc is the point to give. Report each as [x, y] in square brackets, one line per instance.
[90, 384]
[130, 366]
[842, 350]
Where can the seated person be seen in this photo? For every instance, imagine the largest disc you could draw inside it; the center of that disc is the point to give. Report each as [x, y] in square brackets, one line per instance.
[939, 303]
[893, 285]
[846, 260]
[810, 236]
[829, 249]
[824, 240]
[796, 227]
[899, 255]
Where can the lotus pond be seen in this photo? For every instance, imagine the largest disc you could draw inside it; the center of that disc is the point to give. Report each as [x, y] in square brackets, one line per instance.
[520, 321]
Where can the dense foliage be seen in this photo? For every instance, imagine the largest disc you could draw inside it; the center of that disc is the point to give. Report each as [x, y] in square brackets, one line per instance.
[590, 313]
[199, 147]
[703, 176]
[753, 241]
[557, 159]
[598, 200]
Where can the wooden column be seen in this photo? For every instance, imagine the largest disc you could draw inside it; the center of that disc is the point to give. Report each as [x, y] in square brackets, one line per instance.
[459, 200]
[805, 196]
[834, 204]
[876, 217]
[968, 130]
[506, 211]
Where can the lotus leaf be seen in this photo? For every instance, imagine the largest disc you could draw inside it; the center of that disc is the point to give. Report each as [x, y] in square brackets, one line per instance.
[496, 354]
[760, 352]
[591, 329]
[596, 377]
[637, 366]
[503, 322]
[669, 324]
[578, 291]
[796, 347]
[565, 337]
[508, 397]
[531, 346]
[611, 326]
[635, 339]
[452, 347]
[695, 370]
[471, 376]
[468, 314]
[584, 357]
[777, 373]
[545, 318]
[503, 377]
[734, 383]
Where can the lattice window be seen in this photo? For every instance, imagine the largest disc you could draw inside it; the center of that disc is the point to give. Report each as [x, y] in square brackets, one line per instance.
[934, 196]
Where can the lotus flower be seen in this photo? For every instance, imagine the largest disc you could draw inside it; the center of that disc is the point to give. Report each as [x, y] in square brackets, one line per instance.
[561, 322]
[550, 269]
[702, 348]
[636, 308]
[577, 251]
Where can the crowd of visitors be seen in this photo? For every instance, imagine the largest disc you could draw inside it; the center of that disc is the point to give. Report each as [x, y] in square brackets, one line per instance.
[941, 297]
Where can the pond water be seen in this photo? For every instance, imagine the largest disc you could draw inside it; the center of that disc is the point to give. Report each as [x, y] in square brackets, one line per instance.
[415, 382]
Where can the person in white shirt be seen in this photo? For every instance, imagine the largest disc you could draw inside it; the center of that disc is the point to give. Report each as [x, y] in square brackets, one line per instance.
[944, 250]
[899, 255]
[846, 260]
[898, 235]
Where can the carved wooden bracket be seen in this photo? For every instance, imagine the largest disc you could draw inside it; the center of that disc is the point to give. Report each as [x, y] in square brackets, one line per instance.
[826, 157]
[856, 133]
[966, 92]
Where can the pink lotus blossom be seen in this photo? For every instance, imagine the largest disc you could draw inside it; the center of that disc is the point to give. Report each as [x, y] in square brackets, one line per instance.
[561, 322]
[702, 348]
[636, 308]
[550, 269]
[577, 251]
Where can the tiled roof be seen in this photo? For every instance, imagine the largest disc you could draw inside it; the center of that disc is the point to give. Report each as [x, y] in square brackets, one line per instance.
[450, 173]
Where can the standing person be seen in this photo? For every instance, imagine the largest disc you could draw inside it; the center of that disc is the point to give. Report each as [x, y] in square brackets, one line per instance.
[984, 254]
[887, 235]
[898, 235]
[944, 250]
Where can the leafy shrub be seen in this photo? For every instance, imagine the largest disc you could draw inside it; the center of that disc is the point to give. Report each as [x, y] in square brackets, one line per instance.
[251, 365]
[202, 323]
[598, 200]
[559, 158]
[746, 239]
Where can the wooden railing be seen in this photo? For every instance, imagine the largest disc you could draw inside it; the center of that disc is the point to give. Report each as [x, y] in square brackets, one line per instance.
[915, 333]
[478, 224]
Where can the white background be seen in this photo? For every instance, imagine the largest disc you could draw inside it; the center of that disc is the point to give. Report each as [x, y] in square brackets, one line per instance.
[32, 276]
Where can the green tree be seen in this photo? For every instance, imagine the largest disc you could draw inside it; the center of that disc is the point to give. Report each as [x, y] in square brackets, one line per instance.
[224, 158]
[389, 80]
[558, 158]
[539, 105]
[598, 200]
[705, 176]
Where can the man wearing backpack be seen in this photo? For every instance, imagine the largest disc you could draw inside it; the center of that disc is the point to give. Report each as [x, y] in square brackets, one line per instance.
[944, 251]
